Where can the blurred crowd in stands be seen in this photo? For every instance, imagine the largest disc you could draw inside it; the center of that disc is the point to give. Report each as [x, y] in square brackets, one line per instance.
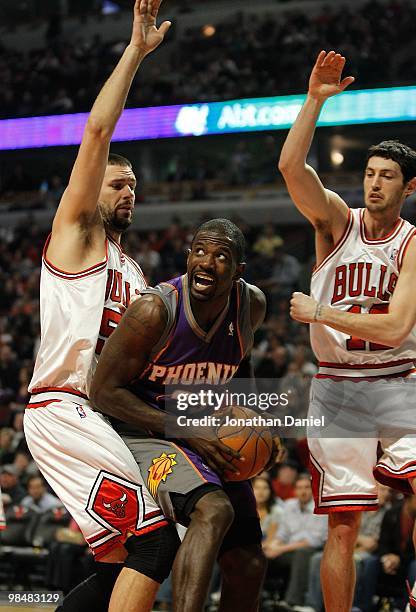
[245, 56]
[42, 546]
[180, 176]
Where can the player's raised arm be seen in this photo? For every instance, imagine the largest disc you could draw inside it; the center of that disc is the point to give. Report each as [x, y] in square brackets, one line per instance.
[390, 329]
[324, 209]
[78, 207]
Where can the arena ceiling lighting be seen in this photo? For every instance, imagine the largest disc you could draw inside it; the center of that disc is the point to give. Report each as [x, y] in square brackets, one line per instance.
[235, 116]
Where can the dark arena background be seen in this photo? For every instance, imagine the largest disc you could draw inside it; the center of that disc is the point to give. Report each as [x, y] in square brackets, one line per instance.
[205, 121]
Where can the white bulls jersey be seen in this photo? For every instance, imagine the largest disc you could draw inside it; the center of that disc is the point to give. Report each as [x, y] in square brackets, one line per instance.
[78, 312]
[359, 276]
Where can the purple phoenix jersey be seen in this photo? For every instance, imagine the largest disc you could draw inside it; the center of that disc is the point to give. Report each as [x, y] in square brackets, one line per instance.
[186, 354]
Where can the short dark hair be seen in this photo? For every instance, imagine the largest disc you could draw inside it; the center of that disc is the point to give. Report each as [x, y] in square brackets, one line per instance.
[398, 152]
[118, 160]
[35, 477]
[270, 501]
[303, 476]
[227, 228]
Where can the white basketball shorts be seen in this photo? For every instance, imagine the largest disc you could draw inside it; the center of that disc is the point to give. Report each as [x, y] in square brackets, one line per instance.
[90, 469]
[365, 431]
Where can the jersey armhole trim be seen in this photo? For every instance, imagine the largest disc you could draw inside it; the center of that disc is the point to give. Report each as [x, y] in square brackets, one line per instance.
[239, 291]
[404, 246]
[347, 230]
[99, 267]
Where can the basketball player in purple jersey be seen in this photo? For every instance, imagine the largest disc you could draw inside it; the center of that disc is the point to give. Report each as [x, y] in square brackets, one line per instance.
[365, 265]
[187, 331]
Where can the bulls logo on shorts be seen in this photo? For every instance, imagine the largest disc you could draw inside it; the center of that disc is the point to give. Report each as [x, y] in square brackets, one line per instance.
[116, 503]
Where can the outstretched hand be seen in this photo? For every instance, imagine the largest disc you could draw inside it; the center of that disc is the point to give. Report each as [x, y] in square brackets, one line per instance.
[325, 80]
[145, 35]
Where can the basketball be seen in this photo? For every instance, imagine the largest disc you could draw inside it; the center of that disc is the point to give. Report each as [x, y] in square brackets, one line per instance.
[253, 442]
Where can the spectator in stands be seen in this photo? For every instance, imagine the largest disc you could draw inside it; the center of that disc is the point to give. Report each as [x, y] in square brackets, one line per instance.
[297, 382]
[395, 562]
[9, 369]
[18, 181]
[22, 395]
[241, 165]
[267, 242]
[149, 260]
[270, 512]
[284, 277]
[300, 534]
[264, 62]
[6, 445]
[51, 191]
[19, 436]
[273, 360]
[25, 466]
[12, 490]
[38, 498]
[283, 483]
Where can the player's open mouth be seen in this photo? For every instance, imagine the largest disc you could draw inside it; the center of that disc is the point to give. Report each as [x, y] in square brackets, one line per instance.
[202, 281]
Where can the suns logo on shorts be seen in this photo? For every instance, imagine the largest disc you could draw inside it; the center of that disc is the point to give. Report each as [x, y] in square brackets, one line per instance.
[159, 470]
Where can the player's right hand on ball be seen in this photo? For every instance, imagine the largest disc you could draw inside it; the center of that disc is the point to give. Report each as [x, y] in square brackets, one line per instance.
[145, 35]
[325, 80]
[216, 455]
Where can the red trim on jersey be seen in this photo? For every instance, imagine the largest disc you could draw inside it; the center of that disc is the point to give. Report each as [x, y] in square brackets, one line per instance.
[403, 374]
[318, 475]
[404, 246]
[347, 230]
[347, 497]
[61, 389]
[73, 275]
[139, 270]
[392, 233]
[152, 514]
[97, 536]
[118, 246]
[345, 508]
[42, 404]
[396, 471]
[78, 276]
[317, 478]
[399, 482]
[363, 366]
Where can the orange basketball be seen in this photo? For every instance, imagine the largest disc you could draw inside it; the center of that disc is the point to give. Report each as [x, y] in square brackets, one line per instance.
[254, 442]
